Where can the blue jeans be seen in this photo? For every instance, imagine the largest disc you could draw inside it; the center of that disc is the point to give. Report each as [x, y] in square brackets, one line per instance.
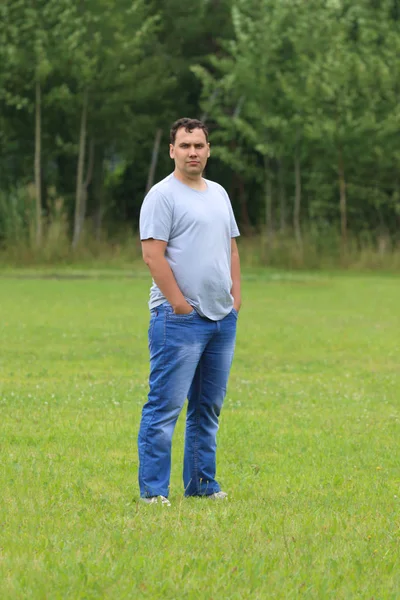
[190, 357]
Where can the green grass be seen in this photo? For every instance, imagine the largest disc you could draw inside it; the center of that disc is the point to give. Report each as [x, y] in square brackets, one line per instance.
[308, 447]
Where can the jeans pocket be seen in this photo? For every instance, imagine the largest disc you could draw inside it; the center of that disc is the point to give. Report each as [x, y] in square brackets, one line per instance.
[174, 317]
[235, 313]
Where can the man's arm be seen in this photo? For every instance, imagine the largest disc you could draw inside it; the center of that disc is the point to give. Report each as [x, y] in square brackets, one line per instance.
[235, 275]
[154, 256]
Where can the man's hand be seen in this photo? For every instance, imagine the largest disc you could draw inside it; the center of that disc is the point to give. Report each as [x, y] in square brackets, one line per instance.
[182, 309]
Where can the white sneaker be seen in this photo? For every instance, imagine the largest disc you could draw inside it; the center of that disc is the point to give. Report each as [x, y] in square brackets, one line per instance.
[156, 500]
[218, 496]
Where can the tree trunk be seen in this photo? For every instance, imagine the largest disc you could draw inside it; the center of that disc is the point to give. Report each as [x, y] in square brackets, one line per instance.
[154, 159]
[86, 184]
[98, 183]
[268, 209]
[79, 178]
[343, 201]
[245, 220]
[282, 198]
[297, 201]
[268, 202]
[38, 152]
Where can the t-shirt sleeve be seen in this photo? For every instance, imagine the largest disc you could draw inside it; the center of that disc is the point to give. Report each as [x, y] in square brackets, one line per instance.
[234, 228]
[155, 217]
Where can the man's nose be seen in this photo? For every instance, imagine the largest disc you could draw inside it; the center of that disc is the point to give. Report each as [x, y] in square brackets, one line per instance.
[193, 151]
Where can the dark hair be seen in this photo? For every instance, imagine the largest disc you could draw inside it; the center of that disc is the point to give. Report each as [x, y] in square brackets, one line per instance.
[189, 125]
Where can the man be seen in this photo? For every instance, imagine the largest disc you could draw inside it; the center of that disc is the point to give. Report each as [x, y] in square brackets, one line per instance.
[187, 229]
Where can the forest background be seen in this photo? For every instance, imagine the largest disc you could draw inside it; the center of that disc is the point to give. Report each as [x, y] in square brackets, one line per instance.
[301, 100]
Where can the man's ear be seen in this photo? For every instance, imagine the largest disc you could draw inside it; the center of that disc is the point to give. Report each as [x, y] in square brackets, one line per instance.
[171, 150]
[209, 151]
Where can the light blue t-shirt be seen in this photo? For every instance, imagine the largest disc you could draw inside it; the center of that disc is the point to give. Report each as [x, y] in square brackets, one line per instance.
[198, 227]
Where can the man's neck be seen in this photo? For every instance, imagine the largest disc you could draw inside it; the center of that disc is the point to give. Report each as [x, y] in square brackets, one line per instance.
[196, 183]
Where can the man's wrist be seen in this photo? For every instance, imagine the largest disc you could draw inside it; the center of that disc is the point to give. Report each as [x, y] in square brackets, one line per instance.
[179, 304]
[237, 303]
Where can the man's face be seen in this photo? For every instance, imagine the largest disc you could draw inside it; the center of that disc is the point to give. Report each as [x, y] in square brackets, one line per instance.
[190, 152]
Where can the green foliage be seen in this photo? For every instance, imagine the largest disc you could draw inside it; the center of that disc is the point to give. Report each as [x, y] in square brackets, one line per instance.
[119, 248]
[16, 217]
[312, 81]
[283, 85]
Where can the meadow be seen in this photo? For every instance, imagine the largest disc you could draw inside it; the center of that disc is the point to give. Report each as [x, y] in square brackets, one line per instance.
[308, 445]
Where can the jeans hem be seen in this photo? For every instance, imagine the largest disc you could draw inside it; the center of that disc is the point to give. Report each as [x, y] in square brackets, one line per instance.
[153, 494]
[207, 493]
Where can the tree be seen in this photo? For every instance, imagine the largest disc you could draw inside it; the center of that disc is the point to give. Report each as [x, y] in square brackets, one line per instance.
[25, 35]
[313, 79]
[104, 49]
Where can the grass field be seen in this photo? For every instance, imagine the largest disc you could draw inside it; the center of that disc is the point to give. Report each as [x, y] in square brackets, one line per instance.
[308, 447]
